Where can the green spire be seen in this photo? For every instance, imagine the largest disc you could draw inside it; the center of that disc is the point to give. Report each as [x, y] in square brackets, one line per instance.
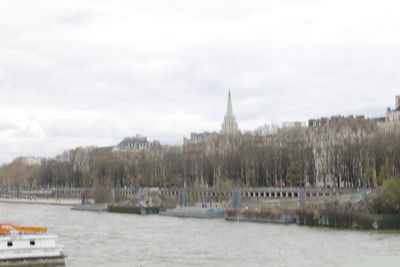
[229, 112]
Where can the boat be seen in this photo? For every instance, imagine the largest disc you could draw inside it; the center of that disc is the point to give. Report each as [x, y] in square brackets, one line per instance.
[28, 246]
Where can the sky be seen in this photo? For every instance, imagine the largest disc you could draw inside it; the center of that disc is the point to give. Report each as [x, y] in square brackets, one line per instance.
[89, 73]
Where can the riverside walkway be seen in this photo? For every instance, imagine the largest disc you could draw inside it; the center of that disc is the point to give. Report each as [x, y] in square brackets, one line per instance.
[63, 195]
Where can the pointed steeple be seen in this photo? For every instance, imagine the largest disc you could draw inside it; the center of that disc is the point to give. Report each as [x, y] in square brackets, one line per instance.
[229, 126]
[229, 112]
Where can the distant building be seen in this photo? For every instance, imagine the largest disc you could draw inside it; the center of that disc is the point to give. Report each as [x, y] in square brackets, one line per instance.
[31, 161]
[318, 122]
[197, 137]
[392, 120]
[135, 143]
[294, 124]
[229, 126]
[394, 115]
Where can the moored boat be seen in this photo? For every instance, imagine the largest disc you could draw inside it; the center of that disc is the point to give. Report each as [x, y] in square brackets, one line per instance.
[28, 246]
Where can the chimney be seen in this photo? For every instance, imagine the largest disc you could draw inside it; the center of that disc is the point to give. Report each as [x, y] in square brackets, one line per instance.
[398, 102]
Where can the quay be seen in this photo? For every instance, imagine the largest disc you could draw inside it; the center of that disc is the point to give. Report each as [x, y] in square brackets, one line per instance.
[171, 197]
[47, 201]
[194, 212]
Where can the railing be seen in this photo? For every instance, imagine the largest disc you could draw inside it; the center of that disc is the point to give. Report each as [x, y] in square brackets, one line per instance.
[248, 193]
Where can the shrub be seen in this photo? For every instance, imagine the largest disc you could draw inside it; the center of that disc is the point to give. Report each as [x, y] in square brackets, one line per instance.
[386, 200]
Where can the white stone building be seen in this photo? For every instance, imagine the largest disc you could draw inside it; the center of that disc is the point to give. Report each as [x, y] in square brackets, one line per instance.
[392, 120]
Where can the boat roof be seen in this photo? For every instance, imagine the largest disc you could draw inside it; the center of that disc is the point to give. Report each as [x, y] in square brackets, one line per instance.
[7, 228]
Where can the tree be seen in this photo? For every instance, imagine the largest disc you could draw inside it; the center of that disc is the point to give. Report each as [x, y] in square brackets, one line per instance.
[386, 200]
[368, 178]
[294, 173]
[384, 173]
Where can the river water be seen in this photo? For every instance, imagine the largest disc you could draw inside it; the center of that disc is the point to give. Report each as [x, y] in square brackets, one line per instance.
[109, 239]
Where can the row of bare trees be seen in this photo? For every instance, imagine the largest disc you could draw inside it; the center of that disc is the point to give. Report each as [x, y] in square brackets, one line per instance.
[342, 155]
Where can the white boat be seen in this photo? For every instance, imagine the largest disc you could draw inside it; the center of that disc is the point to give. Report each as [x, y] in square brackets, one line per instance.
[28, 246]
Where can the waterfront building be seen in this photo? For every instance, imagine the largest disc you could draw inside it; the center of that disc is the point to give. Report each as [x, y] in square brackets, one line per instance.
[197, 137]
[229, 126]
[293, 124]
[134, 143]
[392, 119]
[337, 121]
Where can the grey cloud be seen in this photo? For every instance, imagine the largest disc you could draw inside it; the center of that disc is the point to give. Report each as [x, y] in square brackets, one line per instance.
[163, 69]
[7, 126]
[79, 127]
[75, 18]
[24, 133]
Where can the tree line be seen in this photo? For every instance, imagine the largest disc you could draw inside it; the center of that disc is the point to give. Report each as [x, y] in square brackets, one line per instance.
[345, 154]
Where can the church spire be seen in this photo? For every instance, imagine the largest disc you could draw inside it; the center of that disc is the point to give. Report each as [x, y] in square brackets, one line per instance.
[229, 126]
[229, 112]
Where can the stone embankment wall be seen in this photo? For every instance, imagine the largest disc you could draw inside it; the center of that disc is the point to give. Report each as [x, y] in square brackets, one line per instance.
[249, 197]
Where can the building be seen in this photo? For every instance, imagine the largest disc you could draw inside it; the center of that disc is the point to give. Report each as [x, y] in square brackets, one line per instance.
[135, 143]
[394, 115]
[294, 124]
[31, 161]
[197, 137]
[392, 120]
[229, 126]
[318, 122]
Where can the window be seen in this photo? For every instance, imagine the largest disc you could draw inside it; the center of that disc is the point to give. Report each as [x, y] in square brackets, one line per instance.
[32, 243]
[9, 244]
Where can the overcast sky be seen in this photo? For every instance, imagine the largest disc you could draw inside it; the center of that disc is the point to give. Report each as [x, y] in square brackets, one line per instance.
[81, 73]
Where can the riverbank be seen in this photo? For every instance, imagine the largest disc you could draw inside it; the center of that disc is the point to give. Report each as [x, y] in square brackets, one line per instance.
[46, 201]
[261, 217]
[312, 218]
[90, 207]
[319, 218]
[195, 212]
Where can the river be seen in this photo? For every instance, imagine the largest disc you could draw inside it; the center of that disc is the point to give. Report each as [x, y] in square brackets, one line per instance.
[106, 239]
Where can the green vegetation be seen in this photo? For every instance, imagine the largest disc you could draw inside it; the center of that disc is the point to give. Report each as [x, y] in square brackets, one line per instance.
[334, 219]
[386, 199]
[381, 210]
[294, 173]
[346, 220]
